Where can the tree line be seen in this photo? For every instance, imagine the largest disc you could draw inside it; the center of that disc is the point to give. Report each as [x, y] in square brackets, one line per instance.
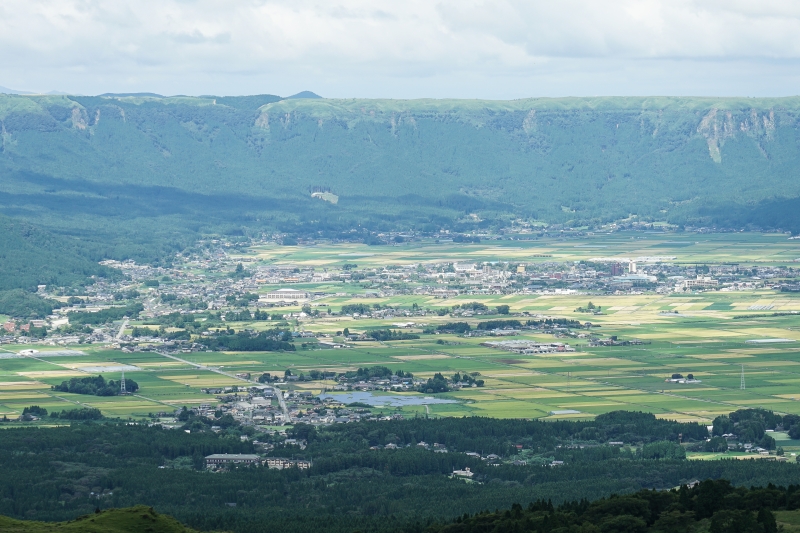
[713, 505]
[96, 386]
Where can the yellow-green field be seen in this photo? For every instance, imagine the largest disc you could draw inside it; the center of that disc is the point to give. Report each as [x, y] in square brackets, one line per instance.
[703, 338]
[591, 379]
[690, 249]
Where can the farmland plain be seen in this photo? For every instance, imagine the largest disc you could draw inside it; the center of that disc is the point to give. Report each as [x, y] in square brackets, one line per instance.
[702, 333]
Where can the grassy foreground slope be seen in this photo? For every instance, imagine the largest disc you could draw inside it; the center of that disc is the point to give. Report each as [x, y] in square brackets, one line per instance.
[143, 164]
[130, 520]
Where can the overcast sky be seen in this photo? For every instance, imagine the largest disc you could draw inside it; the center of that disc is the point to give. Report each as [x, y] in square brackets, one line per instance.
[497, 49]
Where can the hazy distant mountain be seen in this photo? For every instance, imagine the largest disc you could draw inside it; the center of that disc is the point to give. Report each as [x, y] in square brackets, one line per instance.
[304, 94]
[6, 90]
[151, 95]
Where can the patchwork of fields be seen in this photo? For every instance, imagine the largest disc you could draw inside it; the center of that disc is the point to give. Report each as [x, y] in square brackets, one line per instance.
[590, 380]
[725, 248]
[703, 338]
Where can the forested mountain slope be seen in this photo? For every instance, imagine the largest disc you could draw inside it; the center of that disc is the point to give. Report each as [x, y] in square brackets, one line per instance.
[158, 169]
[31, 257]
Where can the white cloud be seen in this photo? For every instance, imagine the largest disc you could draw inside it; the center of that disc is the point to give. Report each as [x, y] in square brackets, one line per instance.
[413, 48]
[633, 28]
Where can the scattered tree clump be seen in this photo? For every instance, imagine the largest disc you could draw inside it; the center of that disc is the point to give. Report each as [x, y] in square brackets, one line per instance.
[95, 386]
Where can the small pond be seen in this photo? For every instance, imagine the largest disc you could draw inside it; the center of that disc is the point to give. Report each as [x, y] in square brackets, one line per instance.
[387, 400]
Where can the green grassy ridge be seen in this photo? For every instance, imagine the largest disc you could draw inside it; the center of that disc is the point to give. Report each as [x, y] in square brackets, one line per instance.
[128, 520]
[40, 103]
[10, 103]
[358, 106]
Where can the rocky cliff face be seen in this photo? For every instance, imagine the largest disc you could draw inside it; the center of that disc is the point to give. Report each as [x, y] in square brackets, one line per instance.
[586, 159]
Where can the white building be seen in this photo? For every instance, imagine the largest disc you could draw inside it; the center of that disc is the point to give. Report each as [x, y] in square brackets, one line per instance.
[280, 463]
[285, 295]
[700, 282]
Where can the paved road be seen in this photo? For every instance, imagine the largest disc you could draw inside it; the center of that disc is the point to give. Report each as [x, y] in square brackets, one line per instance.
[122, 328]
[277, 390]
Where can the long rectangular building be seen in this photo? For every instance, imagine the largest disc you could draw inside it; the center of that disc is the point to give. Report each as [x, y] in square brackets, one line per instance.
[232, 458]
[280, 463]
[286, 295]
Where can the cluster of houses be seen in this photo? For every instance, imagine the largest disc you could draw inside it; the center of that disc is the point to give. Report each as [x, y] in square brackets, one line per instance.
[12, 326]
[258, 405]
[614, 341]
[383, 383]
[529, 347]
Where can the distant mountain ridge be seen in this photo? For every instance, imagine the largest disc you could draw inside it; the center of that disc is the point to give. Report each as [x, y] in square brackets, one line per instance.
[153, 95]
[155, 169]
[6, 90]
[303, 94]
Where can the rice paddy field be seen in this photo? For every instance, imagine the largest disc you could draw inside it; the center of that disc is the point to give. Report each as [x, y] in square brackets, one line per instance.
[690, 249]
[703, 338]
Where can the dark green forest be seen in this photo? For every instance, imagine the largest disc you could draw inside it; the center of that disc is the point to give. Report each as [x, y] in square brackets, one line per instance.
[353, 484]
[713, 506]
[30, 256]
[95, 386]
[59, 260]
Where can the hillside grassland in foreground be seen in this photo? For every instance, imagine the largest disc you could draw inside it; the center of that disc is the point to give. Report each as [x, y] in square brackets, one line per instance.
[129, 520]
[142, 518]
